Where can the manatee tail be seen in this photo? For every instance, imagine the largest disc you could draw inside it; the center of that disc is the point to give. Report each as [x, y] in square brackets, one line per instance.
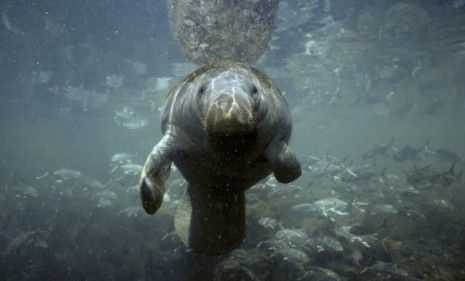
[210, 224]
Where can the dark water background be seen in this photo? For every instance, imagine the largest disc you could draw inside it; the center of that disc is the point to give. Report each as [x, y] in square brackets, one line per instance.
[81, 81]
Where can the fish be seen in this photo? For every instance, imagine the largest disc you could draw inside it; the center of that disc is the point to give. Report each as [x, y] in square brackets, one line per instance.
[411, 153]
[268, 223]
[86, 99]
[122, 158]
[24, 189]
[39, 177]
[384, 208]
[282, 248]
[32, 238]
[66, 174]
[364, 239]
[310, 160]
[127, 118]
[104, 202]
[328, 207]
[325, 243]
[448, 155]
[130, 168]
[234, 268]
[320, 273]
[385, 150]
[291, 234]
[291, 254]
[30, 191]
[92, 183]
[426, 176]
[131, 212]
[361, 174]
[328, 166]
[281, 191]
[105, 198]
[381, 268]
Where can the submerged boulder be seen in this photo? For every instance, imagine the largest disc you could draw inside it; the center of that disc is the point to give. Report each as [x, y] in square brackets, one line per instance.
[213, 30]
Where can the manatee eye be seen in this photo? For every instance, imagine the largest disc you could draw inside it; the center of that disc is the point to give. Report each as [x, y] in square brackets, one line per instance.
[254, 90]
[201, 92]
[255, 97]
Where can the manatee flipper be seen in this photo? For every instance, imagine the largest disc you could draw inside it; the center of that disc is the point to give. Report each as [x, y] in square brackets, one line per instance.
[154, 175]
[284, 163]
[211, 224]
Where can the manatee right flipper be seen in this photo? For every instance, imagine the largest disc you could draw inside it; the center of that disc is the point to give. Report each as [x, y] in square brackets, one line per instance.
[284, 163]
[154, 175]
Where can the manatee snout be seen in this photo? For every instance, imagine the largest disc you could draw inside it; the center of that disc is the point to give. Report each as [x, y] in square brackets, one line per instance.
[230, 115]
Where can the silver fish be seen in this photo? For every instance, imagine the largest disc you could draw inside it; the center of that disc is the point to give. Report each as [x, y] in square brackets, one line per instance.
[67, 174]
[122, 158]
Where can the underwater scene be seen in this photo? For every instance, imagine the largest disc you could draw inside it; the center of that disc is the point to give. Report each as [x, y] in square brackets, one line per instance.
[232, 140]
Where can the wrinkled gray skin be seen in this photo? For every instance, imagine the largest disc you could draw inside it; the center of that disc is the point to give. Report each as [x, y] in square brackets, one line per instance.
[225, 127]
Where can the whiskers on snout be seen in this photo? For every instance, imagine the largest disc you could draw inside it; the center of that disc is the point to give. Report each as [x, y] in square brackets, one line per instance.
[230, 115]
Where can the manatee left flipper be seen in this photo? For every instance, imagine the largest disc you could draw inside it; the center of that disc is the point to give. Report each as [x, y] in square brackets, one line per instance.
[284, 163]
[154, 175]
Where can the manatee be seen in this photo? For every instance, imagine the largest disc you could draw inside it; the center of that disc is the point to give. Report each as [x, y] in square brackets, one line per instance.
[225, 127]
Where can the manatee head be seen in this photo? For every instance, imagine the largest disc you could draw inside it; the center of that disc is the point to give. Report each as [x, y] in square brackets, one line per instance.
[229, 105]
[234, 107]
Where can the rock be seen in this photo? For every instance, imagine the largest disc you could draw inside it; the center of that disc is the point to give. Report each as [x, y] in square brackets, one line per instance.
[213, 30]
